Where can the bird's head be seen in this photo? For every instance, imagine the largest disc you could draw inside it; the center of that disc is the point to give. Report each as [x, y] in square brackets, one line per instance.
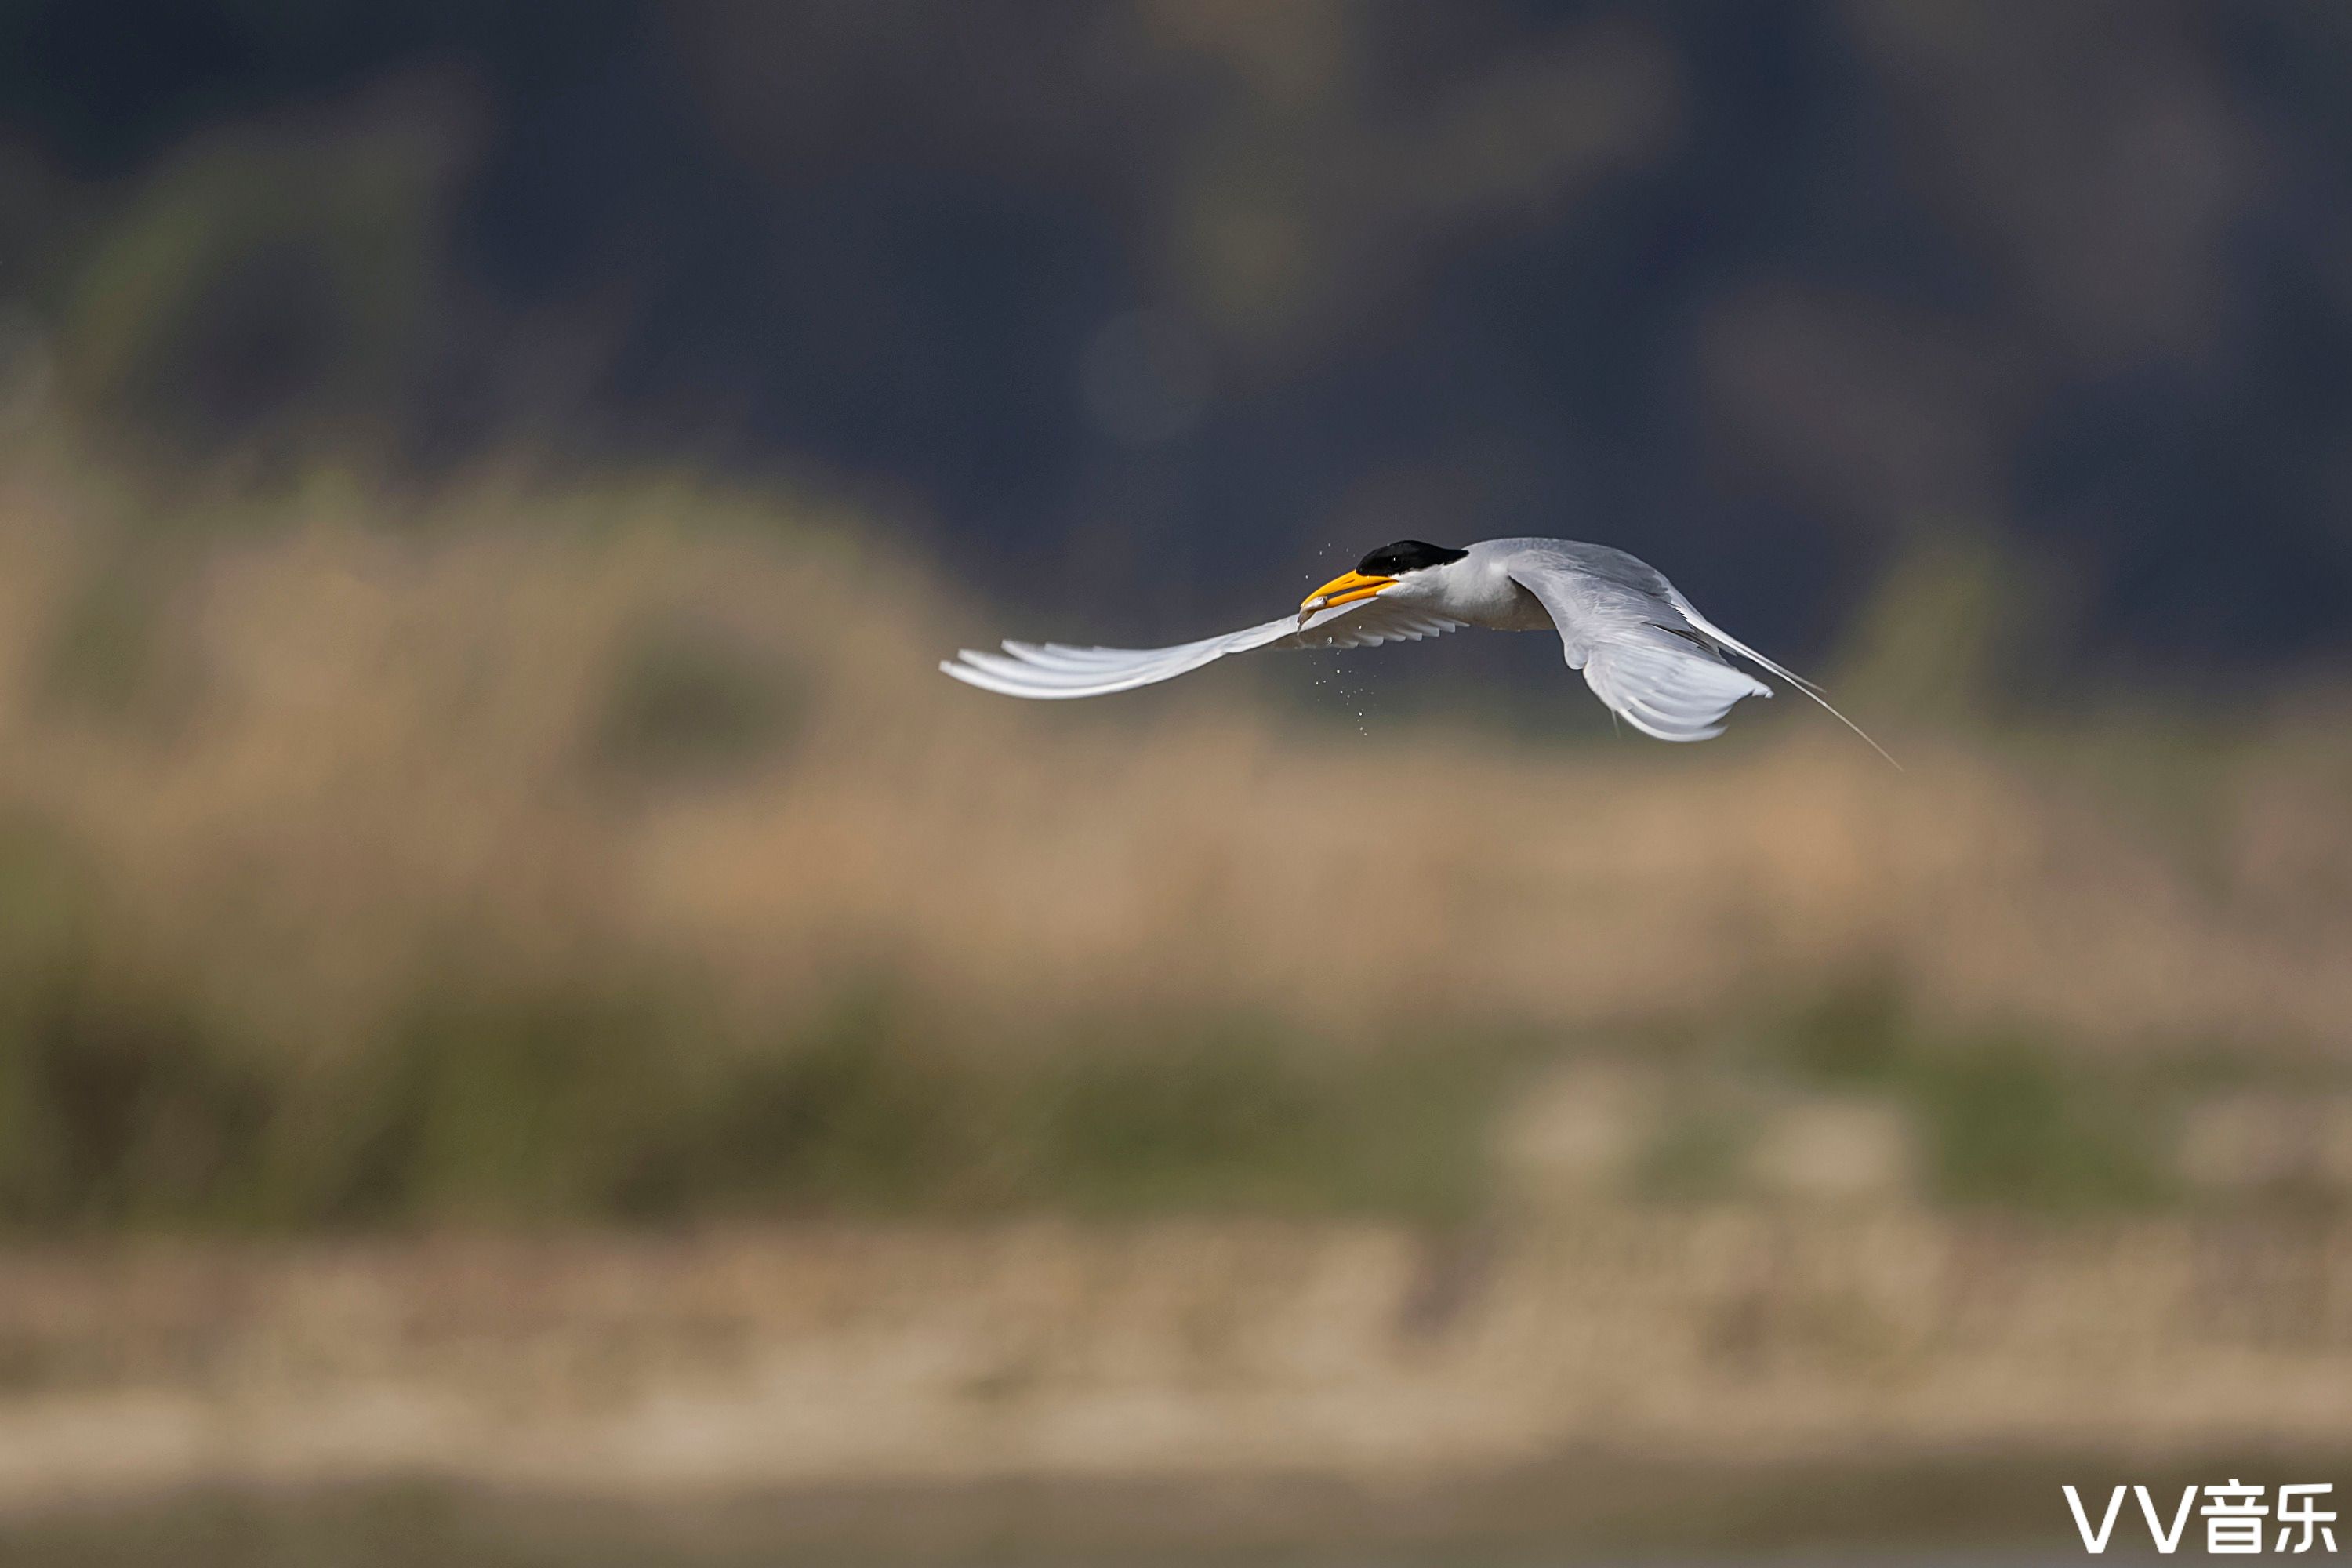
[1398, 567]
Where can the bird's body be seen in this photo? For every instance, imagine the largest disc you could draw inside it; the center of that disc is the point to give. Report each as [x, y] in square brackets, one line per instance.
[1645, 651]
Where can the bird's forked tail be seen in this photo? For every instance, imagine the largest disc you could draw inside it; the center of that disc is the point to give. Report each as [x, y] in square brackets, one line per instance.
[1783, 671]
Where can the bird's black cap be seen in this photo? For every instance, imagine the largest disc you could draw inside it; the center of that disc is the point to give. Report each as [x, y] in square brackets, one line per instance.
[1406, 555]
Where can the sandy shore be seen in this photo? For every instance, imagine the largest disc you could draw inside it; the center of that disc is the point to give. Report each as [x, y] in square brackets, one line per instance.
[1364, 1357]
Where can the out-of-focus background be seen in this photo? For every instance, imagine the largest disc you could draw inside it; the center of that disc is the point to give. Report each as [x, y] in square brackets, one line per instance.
[536, 1027]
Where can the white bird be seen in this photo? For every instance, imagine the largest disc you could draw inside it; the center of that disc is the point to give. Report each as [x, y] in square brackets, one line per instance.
[1647, 654]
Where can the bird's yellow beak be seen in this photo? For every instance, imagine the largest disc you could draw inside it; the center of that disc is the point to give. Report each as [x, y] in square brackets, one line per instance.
[1344, 589]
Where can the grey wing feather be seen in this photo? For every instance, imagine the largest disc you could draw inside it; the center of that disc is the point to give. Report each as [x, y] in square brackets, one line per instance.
[1375, 624]
[1048, 671]
[1617, 607]
[1644, 661]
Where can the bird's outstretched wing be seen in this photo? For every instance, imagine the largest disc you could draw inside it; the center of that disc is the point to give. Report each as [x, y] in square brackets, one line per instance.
[1049, 670]
[1642, 657]
[1645, 651]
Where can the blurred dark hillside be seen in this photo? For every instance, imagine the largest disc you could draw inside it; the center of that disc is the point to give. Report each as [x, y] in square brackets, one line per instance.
[1181, 298]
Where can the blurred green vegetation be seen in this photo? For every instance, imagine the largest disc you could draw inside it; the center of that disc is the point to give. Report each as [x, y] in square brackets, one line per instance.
[1697, 1150]
[614, 1101]
[614, 1095]
[280, 280]
[613, 1098]
[688, 700]
[2005, 1120]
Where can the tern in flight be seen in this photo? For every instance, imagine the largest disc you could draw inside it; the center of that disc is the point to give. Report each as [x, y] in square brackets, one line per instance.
[1650, 657]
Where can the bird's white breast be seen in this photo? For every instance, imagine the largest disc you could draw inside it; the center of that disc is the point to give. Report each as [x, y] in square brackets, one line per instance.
[1481, 592]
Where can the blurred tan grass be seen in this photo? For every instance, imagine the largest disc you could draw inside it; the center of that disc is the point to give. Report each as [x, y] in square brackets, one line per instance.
[541, 838]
